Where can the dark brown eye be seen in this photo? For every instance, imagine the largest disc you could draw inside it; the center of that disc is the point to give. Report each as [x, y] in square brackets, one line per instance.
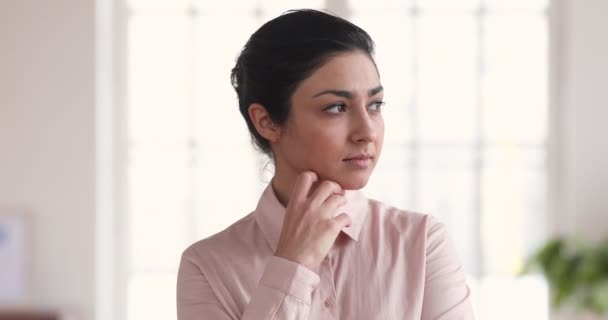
[376, 105]
[335, 108]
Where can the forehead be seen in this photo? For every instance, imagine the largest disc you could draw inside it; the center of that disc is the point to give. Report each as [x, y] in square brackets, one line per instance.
[352, 71]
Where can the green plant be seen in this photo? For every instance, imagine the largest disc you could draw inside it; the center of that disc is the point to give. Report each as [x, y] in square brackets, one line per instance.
[577, 273]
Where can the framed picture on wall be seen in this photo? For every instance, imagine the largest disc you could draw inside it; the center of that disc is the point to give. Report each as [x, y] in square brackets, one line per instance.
[14, 254]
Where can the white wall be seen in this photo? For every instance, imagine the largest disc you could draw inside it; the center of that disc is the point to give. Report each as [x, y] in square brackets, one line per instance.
[582, 93]
[47, 141]
[47, 134]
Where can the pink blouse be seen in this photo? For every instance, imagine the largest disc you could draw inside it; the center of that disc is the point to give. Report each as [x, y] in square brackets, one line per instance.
[389, 264]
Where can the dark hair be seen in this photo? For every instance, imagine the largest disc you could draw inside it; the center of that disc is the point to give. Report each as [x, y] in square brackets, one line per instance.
[285, 51]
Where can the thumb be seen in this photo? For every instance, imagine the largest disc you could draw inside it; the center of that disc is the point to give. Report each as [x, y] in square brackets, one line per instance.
[343, 220]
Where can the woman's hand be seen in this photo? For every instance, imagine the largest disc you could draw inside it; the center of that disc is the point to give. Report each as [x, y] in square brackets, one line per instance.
[309, 229]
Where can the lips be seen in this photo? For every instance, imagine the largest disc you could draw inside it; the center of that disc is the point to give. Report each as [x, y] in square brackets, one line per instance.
[359, 162]
[359, 157]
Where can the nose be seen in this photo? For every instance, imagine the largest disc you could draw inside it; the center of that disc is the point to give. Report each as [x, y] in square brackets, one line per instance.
[365, 127]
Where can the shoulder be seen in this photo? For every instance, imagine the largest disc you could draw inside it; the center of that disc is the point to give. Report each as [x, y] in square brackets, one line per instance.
[237, 239]
[406, 225]
[401, 220]
[420, 231]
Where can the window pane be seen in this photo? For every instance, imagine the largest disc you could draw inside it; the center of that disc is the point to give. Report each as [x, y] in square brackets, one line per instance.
[225, 7]
[159, 4]
[446, 190]
[227, 167]
[158, 78]
[273, 8]
[394, 60]
[152, 296]
[391, 180]
[517, 4]
[228, 185]
[507, 298]
[381, 6]
[464, 5]
[218, 117]
[513, 197]
[515, 83]
[158, 196]
[448, 78]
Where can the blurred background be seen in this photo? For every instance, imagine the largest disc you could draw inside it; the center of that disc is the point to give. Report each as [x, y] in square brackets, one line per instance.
[121, 140]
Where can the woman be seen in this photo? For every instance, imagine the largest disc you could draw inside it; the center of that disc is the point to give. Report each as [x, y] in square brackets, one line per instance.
[315, 247]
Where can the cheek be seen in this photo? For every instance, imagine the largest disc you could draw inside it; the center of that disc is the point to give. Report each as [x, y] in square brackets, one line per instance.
[324, 145]
[379, 141]
[380, 129]
[318, 150]
[307, 147]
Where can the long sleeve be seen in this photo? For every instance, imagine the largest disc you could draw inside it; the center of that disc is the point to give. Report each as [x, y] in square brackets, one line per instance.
[284, 292]
[446, 294]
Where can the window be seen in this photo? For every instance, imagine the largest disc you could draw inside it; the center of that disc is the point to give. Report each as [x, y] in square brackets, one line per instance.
[466, 133]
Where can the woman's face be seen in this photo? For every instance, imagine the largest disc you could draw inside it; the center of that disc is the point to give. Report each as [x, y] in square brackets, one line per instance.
[334, 117]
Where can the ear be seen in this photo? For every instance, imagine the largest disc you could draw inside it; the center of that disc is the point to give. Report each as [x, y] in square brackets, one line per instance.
[262, 122]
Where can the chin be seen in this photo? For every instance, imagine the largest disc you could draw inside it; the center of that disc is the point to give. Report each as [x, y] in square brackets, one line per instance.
[353, 183]
[348, 180]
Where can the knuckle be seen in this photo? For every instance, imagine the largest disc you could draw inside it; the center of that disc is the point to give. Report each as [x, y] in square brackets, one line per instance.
[300, 178]
[331, 183]
[308, 175]
[332, 224]
[337, 198]
[337, 187]
[322, 184]
[306, 206]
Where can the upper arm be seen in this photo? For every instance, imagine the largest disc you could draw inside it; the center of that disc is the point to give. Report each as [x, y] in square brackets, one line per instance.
[195, 297]
[446, 294]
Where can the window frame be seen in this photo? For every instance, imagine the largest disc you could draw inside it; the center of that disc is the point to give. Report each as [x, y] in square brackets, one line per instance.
[112, 147]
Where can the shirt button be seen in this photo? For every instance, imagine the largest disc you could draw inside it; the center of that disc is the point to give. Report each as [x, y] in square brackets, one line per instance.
[329, 302]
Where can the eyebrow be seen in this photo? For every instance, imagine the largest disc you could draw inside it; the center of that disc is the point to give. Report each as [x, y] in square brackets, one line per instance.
[349, 94]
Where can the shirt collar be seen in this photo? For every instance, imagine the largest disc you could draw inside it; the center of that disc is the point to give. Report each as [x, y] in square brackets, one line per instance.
[270, 214]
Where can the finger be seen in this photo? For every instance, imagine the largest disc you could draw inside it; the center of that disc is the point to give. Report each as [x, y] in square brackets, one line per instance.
[324, 190]
[333, 202]
[342, 220]
[303, 184]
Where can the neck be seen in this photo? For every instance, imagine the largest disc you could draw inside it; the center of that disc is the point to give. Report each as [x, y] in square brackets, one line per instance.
[283, 181]
[282, 189]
